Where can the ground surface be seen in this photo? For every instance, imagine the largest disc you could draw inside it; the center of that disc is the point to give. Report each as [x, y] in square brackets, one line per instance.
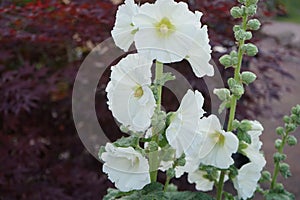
[276, 31]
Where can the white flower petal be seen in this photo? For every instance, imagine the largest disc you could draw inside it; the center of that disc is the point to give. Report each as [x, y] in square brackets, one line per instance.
[182, 131]
[246, 180]
[122, 31]
[127, 168]
[218, 145]
[131, 73]
[199, 54]
[202, 183]
[254, 133]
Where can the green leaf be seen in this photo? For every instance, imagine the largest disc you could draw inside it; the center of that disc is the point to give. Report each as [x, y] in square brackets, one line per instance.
[188, 196]
[165, 78]
[113, 194]
[158, 121]
[130, 141]
[285, 195]
[154, 191]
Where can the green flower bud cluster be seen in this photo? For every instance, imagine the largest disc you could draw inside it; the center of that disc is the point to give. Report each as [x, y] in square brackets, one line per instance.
[291, 124]
[230, 60]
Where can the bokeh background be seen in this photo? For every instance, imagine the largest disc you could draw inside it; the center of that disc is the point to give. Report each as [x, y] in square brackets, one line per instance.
[43, 43]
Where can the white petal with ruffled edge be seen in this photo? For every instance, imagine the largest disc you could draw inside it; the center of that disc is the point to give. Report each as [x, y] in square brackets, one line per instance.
[123, 31]
[132, 73]
[199, 54]
[246, 180]
[169, 40]
[127, 168]
[218, 145]
[182, 130]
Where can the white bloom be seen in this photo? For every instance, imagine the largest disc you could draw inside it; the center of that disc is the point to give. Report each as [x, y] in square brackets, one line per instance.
[129, 95]
[255, 156]
[127, 168]
[191, 165]
[124, 29]
[246, 180]
[202, 183]
[252, 150]
[218, 145]
[199, 53]
[255, 132]
[165, 30]
[182, 131]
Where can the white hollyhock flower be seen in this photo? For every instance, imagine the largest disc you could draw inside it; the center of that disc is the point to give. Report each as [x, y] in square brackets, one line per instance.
[129, 95]
[191, 165]
[255, 156]
[124, 28]
[255, 132]
[246, 180]
[165, 30]
[202, 183]
[127, 168]
[218, 145]
[182, 131]
[252, 151]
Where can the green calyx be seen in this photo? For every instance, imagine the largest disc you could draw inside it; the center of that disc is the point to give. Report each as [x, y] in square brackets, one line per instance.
[164, 28]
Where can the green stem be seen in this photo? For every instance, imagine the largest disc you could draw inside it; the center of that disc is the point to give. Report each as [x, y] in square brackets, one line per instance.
[233, 105]
[276, 168]
[153, 156]
[159, 70]
[220, 185]
[167, 183]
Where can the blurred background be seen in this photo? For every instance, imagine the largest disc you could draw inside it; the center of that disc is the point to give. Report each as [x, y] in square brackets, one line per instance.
[43, 43]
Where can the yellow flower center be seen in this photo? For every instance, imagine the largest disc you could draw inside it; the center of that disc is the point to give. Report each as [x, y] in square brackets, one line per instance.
[164, 28]
[138, 92]
[219, 138]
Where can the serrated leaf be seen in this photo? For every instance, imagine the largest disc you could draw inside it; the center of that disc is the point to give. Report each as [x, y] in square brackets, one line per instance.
[285, 195]
[188, 196]
[130, 141]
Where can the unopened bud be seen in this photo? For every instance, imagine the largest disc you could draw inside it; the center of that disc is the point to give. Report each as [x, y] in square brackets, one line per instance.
[236, 12]
[253, 24]
[248, 77]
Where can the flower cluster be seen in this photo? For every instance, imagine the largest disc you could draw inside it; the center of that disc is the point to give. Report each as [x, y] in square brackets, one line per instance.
[183, 141]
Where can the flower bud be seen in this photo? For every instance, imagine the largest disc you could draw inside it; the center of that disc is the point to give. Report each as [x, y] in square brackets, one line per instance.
[248, 35]
[251, 10]
[236, 12]
[236, 88]
[280, 131]
[250, 49]
[284, 169]
[240, 34]
[291, 140]
[226, 61]
[171, 172]
[279, 188]
[290, 128]
[223, 93]
[152, 146]
[286, 119]
[278, 143]
[278, 157]
[266, 175]
[181, 161]
[248, 77]
[253, 24]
